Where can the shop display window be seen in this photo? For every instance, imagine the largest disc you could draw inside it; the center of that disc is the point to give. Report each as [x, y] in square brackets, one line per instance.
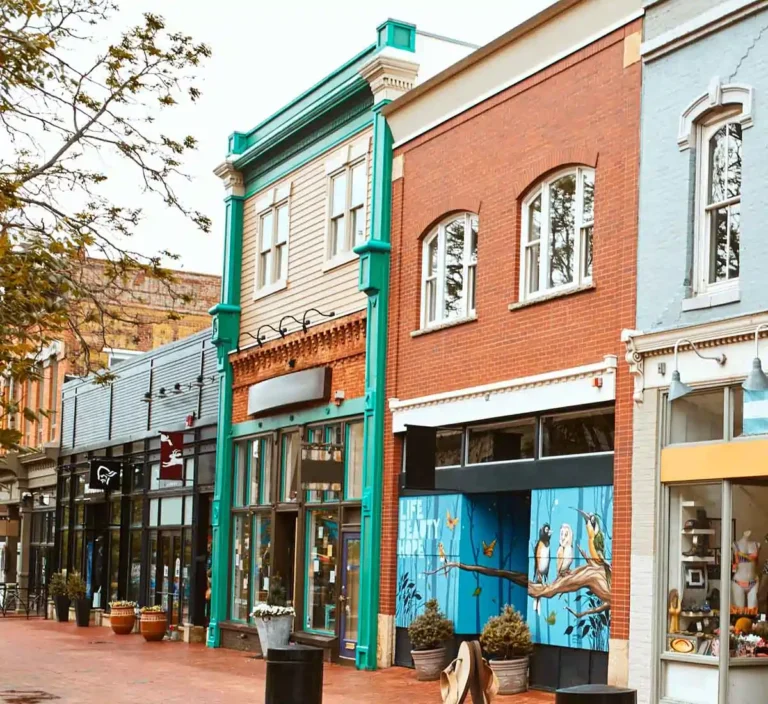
[448, 448]
[114, 564]
[708, 415]
[260, 475]
[326, 442]
[137, 507]
[354, 459]
[206, 468]
[262, 543]
[502, 443]
[578, 433]
[322, 544]
[241, 559]
[134, 566]
[290, 451]
[241, 473]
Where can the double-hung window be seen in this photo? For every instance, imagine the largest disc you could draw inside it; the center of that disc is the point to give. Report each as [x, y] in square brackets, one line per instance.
[558, 219]
[449, 268]
[273, 220]
[347, 209]
[718, 203]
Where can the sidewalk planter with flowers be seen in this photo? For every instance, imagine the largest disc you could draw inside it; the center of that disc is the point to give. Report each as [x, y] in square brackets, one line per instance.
[428, 632]
[153, 623]
[57, 588]
[76, 591]
[122, 617]
[274, 625]
[508, 638]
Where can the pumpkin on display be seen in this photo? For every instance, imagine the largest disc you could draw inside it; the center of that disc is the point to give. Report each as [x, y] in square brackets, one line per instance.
[743, 625]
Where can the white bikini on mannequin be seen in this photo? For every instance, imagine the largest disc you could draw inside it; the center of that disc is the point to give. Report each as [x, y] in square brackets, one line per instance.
[745, 580]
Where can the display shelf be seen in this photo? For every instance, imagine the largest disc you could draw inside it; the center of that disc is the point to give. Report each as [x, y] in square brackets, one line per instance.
[710, 560]
[699, 531]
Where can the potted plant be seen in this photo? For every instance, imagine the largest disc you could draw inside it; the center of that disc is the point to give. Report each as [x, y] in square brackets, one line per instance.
[57, 588]
[274, 618]
[153, 623]
[76, 592]
[508, 638]
[428, 632]
[122, 617]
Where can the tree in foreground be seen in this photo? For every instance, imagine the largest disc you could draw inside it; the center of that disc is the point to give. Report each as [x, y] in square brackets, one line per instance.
[68, 104]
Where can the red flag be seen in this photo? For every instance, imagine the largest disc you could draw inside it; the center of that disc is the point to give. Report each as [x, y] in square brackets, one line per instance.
[171, 460]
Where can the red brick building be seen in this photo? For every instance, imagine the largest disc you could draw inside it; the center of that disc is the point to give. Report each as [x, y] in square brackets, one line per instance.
[514, 220]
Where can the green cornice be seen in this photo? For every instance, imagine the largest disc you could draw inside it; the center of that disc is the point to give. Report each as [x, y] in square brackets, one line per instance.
[330, 412]
[289, 118]
[397, 34]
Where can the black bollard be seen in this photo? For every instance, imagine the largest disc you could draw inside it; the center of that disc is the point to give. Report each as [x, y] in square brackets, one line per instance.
[294, 675]
[596, 694]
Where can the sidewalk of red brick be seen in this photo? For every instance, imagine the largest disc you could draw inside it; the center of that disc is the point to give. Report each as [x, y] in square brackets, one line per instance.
[89, 665]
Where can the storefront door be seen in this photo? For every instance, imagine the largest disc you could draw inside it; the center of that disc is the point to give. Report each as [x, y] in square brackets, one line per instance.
[168, 581]
[350, 592]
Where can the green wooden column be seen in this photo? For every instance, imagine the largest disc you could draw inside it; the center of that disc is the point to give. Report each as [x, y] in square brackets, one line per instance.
[374, 281]
[226, 330]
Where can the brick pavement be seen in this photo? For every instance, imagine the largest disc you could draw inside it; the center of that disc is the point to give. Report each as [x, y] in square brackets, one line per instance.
[88, 665]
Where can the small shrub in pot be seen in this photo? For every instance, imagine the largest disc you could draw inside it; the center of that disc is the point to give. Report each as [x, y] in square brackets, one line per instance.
[57, 590]
[508, 638]
[76, 590]
[428, 631]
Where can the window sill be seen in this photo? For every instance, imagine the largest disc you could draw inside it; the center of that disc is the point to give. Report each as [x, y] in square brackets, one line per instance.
[571, 290]
[269, 290]
[340, 260]
[712, 300]
[444, 326]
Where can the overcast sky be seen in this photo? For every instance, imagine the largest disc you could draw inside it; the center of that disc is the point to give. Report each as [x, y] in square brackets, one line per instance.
[264, 54]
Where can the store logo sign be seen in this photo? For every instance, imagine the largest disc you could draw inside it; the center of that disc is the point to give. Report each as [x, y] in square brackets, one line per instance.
[104, 474]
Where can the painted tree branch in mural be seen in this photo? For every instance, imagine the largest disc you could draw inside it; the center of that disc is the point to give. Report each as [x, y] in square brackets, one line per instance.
[595, 575]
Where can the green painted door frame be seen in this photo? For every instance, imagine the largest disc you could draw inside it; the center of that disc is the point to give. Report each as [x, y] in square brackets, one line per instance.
[226, 331]
[374, 281]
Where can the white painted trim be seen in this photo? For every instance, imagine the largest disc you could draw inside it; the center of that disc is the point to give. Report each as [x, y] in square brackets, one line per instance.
[340, 260]
[272, 288]
[541, 392]
[273, 196]
[520, 77]
[700, 26]
[732, 294]
[717, 95]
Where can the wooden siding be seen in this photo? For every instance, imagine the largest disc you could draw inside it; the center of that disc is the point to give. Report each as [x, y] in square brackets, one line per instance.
[308, 285]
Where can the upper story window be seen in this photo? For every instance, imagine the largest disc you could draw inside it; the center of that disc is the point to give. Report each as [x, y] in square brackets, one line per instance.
[347, 209]
[718, 211]
[449, 271]
[558, 219]
[274, 224]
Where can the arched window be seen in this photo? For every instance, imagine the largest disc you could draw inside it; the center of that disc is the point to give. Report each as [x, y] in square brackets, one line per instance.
[558, 217]
[718, 210]
[448, 271]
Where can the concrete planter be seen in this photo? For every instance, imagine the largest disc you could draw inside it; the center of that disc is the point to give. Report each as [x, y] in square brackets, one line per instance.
[512, 674]
[274, 632]
[428, 663]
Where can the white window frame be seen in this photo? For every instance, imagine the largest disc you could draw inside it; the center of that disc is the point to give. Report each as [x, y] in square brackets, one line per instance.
[705, 130]
[343, 162]
[580, 279]
[469, 264]
[271, 202]
[115, 354]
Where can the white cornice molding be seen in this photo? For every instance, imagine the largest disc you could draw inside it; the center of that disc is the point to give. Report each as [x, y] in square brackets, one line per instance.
[716, 96]
[718, 17]
[607, 366]
[389, 76]
[232, 178]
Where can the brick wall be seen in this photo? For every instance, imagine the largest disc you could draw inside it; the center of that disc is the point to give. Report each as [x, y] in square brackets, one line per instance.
[339, 344]
[585, 109]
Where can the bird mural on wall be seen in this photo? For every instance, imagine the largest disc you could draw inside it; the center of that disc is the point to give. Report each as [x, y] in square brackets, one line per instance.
[595, 538]
[565, 551]
[441, 552]
[541, 560]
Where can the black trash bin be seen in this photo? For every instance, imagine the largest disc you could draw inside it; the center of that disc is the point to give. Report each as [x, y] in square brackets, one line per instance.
[596, 694]
[294, 675]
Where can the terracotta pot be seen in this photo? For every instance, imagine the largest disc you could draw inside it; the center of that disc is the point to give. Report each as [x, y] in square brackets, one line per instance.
[429, 663]
[153, 625]
[122, 619]
[512, 674]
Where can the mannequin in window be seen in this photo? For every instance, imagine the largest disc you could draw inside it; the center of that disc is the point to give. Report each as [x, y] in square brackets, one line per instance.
[745, 580]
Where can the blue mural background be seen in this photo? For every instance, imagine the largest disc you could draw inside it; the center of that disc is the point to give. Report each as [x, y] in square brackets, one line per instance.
[486, 530]
[552, 623]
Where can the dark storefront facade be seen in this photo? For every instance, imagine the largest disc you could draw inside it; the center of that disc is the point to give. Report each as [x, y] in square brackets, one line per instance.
[147, 539]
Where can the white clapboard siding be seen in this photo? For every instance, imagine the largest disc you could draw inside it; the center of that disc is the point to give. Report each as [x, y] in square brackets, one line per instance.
[308, 285]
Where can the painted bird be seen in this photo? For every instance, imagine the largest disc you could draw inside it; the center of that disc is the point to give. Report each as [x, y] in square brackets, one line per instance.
[594, 536]
[541, 560]
[441, 552]
[565, 551]
[450, 522]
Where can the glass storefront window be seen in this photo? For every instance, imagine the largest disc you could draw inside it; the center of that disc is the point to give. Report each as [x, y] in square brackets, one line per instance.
[241, 554]
[289, 466]
[64, 548]
[697, 417]
[154, 511]
[137, 506]
[186, 574]
[188, 508]
[206, 468]
[157, 483]
[134, 566]
[691, 622]
[577, 433]
[170, 510]
[79, 514]
[322, 543]
[189, 470]
[80, 486]
[261, 471]
[502, 443]
[114, 564]
[242, 457]
[137, 476]
[354, 459]
[262, 543]
[449, 445]
[114, 512]
[77, 557]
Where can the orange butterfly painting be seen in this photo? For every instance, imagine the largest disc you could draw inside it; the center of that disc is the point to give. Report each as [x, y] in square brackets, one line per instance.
[451, 522]
[488, 548]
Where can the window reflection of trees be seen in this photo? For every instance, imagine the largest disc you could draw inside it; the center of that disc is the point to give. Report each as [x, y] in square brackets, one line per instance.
[454, 269]
[562, 196]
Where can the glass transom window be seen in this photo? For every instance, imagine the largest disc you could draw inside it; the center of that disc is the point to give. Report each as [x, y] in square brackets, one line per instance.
[558, 219]
[347, 209]
[449, 271]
